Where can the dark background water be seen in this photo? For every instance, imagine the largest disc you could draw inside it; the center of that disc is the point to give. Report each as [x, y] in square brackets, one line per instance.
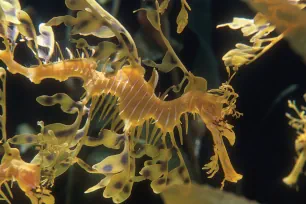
[264, 150]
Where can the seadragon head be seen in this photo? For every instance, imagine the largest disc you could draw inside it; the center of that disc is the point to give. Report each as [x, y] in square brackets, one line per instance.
[213, 106]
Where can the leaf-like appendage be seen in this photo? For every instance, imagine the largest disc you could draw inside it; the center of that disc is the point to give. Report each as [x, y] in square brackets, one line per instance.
[67, 104]
[163, 6]
[45, 40]
[258, 28]
[26, 28]
[298, 123]
[289, 19]
[9, 11]
[76, 4]
[80, 43]
[168, 63]
[152, 16]
[23, 139]
[104, 50]
[284, 16]
[107, 138]
[196, 83]
[182, 19]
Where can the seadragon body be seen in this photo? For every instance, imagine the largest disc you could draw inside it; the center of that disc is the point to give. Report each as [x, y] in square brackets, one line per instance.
[136, 100]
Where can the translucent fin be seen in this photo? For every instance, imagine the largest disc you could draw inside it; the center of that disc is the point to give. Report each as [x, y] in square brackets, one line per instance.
[4, 197]
[10, 10]
[154, 79]
[8, 189]
[46, 40]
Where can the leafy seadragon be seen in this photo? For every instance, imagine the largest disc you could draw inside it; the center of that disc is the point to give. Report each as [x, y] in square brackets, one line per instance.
[13, 168]
[141, 123]
[59, 144]
[297, 123]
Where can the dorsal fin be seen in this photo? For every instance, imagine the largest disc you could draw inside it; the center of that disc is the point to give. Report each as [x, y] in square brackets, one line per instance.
[154, 79]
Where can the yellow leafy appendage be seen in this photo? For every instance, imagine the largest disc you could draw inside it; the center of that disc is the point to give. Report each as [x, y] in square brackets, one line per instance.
[13, 168]
[298, 122]
[280, 15]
